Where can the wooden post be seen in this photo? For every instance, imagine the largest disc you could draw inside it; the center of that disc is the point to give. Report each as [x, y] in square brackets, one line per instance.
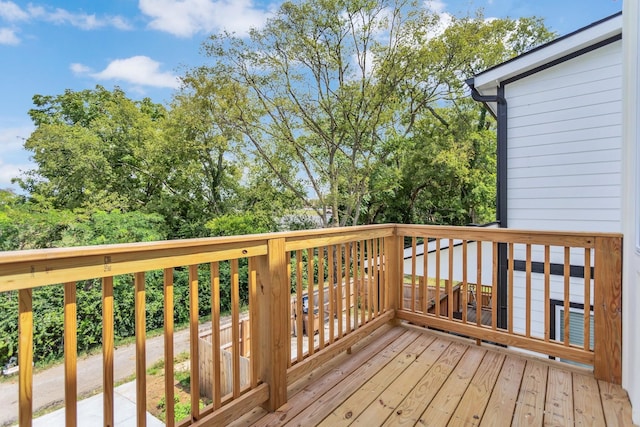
[394, 264]
[272, 317]
[608, 309]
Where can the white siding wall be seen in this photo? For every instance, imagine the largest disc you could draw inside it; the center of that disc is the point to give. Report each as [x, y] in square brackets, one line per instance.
[564, 162]
[564, 145]
[472, 262]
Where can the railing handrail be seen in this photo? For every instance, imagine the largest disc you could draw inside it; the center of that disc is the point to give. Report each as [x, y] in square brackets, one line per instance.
[13, 272]
[8, 257]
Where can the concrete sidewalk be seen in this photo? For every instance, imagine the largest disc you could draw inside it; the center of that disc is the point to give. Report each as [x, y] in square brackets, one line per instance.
[90, 411]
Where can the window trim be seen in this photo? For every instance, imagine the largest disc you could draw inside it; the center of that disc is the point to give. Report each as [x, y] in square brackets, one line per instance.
[554, 307]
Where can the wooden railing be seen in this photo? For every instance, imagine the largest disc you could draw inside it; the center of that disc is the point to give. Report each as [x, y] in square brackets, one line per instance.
[577, 271]
[354, 280]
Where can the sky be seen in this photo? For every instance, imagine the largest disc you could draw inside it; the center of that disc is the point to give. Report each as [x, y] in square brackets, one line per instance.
[143, 46]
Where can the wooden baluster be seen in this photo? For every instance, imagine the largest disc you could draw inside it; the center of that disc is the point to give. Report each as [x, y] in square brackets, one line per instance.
[494, 289]
[299, 293]
[567, 296]
[375, 271]
[450, 282]
[235, 327]
[193, 339]
[253, 326]
[292, 324]
[370, 278]
[168, 348]
[141, 354]
[25, 356]
[332, 294]
[425, 275]
[363, 299]
[310, 304]
[510, 288]
[107, 351]
[382, 283]
[465, 279]
[347, 291]
[215, 334]
[321, 290]
[70, 355]
[547, 291]
[436, 296]
[479, 287]
[413, 274]
[528, 292]
[587, 299]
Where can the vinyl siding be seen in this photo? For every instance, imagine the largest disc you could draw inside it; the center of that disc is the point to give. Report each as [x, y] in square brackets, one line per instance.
[564, 145]
[564, 159]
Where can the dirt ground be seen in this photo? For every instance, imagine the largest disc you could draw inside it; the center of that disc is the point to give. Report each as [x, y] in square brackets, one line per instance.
[181, 390]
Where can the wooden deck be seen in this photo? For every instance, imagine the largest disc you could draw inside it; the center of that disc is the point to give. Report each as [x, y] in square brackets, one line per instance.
[405, 375]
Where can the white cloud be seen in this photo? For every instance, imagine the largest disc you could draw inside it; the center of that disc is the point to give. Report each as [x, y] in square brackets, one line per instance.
[9, 171]
[78, 68]
[10, 11]
[139, 70]
[83, 21]
[184, 18]
[12, 139]
[8, 36]
[445, 19]
[14, 158]
[437, 6]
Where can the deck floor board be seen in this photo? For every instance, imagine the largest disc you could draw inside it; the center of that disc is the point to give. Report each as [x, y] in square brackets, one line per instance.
[421, 377]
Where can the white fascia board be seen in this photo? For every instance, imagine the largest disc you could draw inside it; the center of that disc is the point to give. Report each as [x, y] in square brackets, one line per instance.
[487, 82]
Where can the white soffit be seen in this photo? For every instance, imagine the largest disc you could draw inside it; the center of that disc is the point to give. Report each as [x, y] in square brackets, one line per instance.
[487, 82]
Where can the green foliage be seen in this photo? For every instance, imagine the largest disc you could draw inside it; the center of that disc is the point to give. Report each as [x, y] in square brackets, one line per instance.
[240, 223]
[8, 326]
[92, 149]
[443, 174]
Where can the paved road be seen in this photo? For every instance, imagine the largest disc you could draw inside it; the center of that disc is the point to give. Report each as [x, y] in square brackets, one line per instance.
[48, 385]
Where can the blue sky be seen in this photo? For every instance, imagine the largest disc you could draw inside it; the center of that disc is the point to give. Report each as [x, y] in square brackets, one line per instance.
[143, 45]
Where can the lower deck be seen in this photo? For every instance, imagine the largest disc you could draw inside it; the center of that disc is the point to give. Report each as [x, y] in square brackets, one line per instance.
[404, 375]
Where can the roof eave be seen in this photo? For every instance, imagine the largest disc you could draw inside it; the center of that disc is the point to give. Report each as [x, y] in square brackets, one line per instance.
[487, 81]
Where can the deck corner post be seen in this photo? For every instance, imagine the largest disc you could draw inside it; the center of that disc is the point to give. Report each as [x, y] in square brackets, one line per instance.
[608, 309]
[272, 319]
[393, 267]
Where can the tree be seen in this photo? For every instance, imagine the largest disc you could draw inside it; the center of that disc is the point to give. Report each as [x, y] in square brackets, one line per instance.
[443, 171]
[315, 108]
[209, 152]
[327, 89]
[92, 150]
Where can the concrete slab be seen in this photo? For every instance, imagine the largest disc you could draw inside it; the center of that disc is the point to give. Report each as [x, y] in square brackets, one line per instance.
[90, 411]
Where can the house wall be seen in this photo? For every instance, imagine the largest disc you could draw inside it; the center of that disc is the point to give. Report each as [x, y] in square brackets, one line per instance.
[564, 145]
[564, 159]
[631, 212]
